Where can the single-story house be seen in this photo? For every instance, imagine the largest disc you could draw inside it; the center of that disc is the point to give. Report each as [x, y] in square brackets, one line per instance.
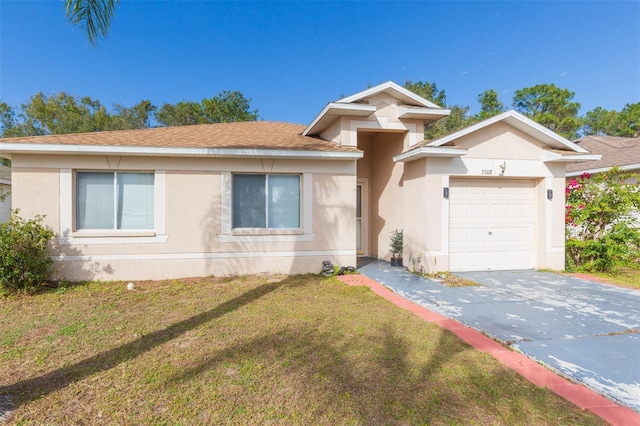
[615, 151]
[253, 197]
[5, 188]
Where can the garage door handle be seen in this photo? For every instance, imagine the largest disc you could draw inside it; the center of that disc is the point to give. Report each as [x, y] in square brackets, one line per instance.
[490, 233]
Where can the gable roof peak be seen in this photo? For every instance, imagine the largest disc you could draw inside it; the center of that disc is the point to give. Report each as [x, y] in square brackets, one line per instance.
[393, 89]
[520, 122]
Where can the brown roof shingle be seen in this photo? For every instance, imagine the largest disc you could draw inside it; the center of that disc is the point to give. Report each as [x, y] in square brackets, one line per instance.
[615, 151]
[238, 135]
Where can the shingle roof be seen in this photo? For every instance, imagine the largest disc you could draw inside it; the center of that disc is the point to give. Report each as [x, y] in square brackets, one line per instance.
[239, 135]
[615, 151]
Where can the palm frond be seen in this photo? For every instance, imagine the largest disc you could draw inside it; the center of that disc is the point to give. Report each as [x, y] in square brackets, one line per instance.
[93, 16]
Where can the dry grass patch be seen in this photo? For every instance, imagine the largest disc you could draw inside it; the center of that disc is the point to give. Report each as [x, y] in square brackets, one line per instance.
[451, 280]
[305, 350]
[624, 276]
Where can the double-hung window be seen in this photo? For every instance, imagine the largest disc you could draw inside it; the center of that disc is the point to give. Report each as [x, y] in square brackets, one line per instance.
[114, 200]
[270, 201]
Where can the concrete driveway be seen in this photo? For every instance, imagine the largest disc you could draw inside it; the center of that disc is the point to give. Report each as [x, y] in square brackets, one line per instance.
[586, 331]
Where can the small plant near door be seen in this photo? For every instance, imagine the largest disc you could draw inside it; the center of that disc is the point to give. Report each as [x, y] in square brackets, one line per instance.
[396, 244]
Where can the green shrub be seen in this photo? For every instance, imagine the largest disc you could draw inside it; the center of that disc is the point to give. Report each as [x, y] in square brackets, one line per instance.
[25, 264]
[601, 218]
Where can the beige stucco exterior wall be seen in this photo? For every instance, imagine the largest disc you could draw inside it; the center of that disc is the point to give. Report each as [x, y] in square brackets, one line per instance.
[191, 238]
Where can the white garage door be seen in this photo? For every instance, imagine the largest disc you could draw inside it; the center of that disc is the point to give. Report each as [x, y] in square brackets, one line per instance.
[491, 224]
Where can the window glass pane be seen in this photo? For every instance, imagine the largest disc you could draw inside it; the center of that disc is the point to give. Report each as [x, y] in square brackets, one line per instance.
[94, 200]
[135, 200]
[249, 201]
[284, 201]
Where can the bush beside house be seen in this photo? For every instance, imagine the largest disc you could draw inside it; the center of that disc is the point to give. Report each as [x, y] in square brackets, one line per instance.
[25, 263]
[602, 221]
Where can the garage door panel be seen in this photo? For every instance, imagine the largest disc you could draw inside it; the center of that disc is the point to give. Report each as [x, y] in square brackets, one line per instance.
[491, 224]
[477, 212]
[477, 236]
[499, 211]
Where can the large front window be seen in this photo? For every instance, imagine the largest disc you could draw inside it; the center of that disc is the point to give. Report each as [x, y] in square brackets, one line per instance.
[114, 200]
[266, 201]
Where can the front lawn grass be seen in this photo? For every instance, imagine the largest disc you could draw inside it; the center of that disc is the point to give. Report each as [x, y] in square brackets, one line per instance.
[305, 350]
[622, 276]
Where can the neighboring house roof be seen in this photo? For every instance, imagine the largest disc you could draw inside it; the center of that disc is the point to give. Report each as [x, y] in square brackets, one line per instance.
[240, 139]
[615, 151]
[5, 175]
[411, 106]
[561, 149]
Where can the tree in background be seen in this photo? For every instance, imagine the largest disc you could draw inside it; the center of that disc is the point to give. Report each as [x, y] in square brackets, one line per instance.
[551, 107]
[602, 221]
[63, 113]
[427, 90]
[180, 114]
[456, 120]
[599, 121]
[94, 16]
[490, 105]
[136, 117]
[226, 106]
[624, 123]
[629, 121]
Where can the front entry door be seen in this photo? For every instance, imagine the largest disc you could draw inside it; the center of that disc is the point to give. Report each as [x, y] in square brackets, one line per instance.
[362, 239]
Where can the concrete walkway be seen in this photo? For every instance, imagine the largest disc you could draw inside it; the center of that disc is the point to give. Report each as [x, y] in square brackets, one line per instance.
[586, 331]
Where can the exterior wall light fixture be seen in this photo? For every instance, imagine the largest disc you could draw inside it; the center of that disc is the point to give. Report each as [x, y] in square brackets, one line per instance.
[549, 194]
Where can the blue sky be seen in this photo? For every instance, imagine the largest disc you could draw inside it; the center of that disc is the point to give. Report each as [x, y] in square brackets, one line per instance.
[291, 58]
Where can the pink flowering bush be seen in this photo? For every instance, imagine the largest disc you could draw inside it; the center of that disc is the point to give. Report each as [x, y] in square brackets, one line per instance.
[602, 221]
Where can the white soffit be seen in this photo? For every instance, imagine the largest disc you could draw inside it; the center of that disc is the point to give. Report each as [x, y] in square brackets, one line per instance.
[555, 157]
[20, 148]
[422, 113]
[334, 110]
[520, 122]
[428, 151]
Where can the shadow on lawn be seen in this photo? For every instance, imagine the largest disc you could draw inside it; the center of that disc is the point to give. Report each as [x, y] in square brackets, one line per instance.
[327, 385]
[37, 387]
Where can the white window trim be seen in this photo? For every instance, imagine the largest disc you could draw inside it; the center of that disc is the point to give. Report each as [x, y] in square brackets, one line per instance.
[116, 236]
[247, 235]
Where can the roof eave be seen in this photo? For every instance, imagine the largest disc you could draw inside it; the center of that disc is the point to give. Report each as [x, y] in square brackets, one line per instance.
[427, 151]
[332, 111]
[426, 114]
[625, 168]
[17, 148]
[554, 157]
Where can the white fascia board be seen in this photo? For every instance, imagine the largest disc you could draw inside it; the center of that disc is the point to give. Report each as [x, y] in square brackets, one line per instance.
[19, 148]
[422, 113]
[603, 169]
[5, 182]
[555, 157]
[427, 151]
[517, 120]
[394, 87]
[337, 109]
